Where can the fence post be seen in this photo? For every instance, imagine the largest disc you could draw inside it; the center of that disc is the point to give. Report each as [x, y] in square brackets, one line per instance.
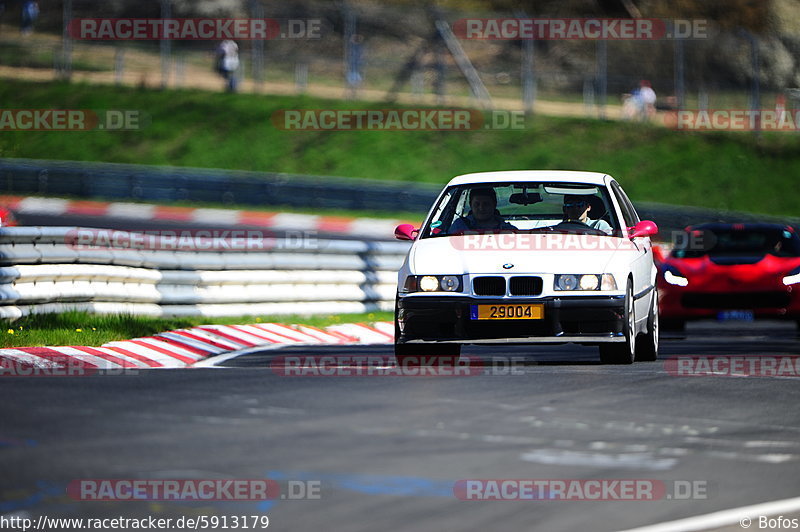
[301, 77]
[602, 76]
[588, 95]
[680, 70]
[351, 73]
[257, 47]
[755, 87]
[65, 68]
[119, 64]
[528, 75]
[165, 45]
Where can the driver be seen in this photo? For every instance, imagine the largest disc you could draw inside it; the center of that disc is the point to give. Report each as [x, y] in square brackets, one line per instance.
[576, 211]
[483, 213]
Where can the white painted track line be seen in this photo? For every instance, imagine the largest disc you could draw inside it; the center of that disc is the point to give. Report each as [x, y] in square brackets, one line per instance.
[724, 517]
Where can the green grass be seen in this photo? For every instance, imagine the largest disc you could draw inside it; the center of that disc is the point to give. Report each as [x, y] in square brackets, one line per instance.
[16, 55]
[193, 128]
[80, 328]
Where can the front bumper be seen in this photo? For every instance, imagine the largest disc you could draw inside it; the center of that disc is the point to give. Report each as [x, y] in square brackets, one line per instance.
[580, 319]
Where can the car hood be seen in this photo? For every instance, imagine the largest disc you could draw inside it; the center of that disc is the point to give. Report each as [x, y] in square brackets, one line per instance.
[552, 253]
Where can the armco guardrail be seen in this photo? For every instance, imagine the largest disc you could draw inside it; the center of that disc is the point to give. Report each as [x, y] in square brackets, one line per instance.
[160, 184]
[52, 269]
[163, 184]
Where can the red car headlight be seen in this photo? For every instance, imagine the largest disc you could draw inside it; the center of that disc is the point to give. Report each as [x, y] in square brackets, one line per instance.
[673, 275]
[792, 278]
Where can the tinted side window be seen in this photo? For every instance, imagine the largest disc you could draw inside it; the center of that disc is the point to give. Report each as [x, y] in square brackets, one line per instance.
[628, 212]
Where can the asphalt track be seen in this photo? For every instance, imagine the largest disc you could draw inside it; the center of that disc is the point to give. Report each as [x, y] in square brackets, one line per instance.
[386, 451]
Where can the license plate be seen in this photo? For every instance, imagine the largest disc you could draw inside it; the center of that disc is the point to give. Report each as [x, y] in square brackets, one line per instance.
[736, 315]
[507, 312]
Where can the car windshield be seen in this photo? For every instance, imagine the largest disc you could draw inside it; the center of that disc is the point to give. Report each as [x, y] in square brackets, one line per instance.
[738, 242]
[523, 207]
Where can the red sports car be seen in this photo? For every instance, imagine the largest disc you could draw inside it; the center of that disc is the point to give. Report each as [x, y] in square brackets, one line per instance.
[731, 272]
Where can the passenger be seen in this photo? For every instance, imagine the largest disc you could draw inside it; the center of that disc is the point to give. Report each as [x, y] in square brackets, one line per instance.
[483, 214]
[576, 211]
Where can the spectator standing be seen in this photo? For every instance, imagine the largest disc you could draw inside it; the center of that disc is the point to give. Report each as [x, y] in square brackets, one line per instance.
[355, 63]
[30, 12]
[228, 62]
[646, 100]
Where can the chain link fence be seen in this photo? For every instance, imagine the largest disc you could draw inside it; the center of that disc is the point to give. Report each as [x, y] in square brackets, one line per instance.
[385, 52]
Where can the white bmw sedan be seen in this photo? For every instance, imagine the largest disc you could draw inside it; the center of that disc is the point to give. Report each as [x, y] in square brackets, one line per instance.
[523, 257]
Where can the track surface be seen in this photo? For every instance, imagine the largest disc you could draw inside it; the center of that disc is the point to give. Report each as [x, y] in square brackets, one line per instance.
[387, 450]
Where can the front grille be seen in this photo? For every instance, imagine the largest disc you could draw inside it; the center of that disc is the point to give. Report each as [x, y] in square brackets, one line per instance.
[746, 300]
[489, 286]
[525, 286]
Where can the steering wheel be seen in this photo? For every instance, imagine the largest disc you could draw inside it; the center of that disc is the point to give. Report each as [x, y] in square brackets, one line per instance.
[574, 225]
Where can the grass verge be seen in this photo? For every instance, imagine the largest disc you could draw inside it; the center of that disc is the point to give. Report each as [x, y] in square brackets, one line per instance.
[81, 328]
[735, 171]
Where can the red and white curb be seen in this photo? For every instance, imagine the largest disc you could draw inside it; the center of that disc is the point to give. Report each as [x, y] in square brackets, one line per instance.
[223, 217]
[186, 347]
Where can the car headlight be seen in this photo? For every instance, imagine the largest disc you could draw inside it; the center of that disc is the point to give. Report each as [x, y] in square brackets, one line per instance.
[433, 283]
[793, 277]
[429, 283]
[566, 282]
[589, 282]
[450, 283]
[672, 275]
[585, 282]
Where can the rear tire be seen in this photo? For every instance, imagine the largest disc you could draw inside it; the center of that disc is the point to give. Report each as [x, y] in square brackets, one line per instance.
[623, 352]
[647, 345]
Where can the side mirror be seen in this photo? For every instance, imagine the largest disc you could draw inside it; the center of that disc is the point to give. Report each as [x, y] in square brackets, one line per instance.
[405, 232]
[643, 228]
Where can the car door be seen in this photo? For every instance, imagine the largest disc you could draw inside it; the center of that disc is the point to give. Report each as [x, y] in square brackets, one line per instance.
[643, 268]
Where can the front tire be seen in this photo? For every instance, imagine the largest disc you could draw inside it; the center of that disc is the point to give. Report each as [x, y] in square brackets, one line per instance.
[623, 352]
[647, 345]
[422, 354]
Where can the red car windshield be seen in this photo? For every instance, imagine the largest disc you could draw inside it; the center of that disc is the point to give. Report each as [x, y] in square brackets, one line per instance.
[738, 242]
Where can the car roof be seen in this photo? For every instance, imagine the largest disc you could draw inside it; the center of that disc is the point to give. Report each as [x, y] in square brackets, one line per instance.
[566, 176]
